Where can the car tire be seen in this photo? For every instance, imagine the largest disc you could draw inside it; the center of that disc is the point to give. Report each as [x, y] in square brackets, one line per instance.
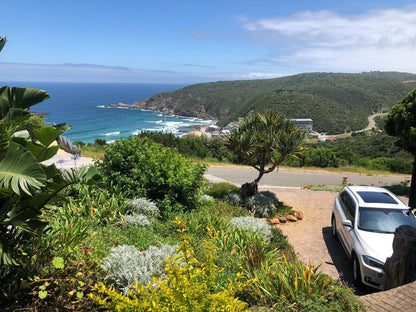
[356, 272]
[334, 228]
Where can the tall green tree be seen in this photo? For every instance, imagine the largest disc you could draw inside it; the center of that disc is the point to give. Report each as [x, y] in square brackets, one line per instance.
[401, 123]
[263, 141]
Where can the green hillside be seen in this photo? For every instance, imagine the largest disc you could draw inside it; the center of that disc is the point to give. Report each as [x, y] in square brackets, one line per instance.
[335, 101]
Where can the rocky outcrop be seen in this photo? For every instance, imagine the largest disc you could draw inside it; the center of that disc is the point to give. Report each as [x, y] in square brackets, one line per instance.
[167, 105]
[400, 268]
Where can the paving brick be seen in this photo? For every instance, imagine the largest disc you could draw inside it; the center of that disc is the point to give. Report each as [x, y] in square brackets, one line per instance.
[313, 242]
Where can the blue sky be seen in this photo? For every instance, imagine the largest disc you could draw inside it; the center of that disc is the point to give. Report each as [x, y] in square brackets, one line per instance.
[198, 41]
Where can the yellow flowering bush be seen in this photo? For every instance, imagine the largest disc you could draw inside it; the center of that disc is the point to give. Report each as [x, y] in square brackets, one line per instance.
[189, 285]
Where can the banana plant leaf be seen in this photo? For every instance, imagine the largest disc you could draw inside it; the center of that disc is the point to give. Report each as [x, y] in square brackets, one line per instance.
[20, 172]
[20, 98]
[2, 42]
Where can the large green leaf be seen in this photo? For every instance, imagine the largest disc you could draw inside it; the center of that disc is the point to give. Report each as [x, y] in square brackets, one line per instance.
[2, 42]
[19, 170]
[47, 135]
[20, 98]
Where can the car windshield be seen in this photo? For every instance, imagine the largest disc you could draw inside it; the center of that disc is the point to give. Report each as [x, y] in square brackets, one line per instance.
[384, 220]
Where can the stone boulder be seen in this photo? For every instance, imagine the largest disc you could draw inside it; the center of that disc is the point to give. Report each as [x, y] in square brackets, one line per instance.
[291, 218]
[298, 214]
[400, 268]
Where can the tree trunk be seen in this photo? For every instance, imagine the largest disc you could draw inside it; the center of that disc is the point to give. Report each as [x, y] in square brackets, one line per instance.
[412, 195]
[400, 268]
[248, 189]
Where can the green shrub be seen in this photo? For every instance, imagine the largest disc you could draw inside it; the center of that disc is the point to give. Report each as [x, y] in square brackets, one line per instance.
[98, 205]
[188, 285]
[293, 286]
[221, 190]
[143, 168]
[392, 164]
[320, 157]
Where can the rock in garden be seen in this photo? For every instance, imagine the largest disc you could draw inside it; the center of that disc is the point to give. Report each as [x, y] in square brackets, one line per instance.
[282, 219]
[275, 220]
[291, 218]
[298, 214]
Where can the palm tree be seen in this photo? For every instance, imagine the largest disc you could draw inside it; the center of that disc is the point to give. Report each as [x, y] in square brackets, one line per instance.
[264, 141]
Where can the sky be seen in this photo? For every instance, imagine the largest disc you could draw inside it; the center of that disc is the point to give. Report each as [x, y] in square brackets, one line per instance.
[181, 41]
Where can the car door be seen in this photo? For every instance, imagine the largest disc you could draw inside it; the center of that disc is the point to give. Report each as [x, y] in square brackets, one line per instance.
[347, 232]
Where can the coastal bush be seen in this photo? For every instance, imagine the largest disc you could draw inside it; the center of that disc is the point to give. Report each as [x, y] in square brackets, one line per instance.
[190, 145]
[263, 204]
[319, 157]
[221, 190]
[143, 206]
[143, 168]
[294, 286]
[189, 284]
[96, 204]
[136, 220]
[126, 265]
[234, 199]
[254, 225]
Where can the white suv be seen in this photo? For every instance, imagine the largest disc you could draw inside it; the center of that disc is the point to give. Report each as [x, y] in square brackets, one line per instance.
[364, 218]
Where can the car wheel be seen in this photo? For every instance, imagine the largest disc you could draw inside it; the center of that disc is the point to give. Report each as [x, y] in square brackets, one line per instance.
[334, 227]
[356, 272]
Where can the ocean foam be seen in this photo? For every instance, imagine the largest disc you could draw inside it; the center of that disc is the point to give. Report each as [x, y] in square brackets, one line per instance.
[111, 133]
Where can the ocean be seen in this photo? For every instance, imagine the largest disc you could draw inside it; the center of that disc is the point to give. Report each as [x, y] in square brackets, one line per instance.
[81, 106]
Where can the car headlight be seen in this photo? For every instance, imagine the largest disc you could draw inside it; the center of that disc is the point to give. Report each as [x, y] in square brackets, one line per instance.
[373, 262]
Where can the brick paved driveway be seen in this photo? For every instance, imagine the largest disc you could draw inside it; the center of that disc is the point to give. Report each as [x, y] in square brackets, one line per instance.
[312, 240]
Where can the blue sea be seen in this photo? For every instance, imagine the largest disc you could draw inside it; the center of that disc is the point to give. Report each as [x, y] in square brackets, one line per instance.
[81, 105]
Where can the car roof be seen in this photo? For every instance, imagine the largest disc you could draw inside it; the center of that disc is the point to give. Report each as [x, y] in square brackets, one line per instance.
[376, 197]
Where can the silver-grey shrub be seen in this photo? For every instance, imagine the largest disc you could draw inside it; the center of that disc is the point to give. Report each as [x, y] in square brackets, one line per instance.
[136, 220]
[234, 199]
[141, 212]
[207, 198]
[264, 204]
[126, 264]
[254, 225]
[143, 206]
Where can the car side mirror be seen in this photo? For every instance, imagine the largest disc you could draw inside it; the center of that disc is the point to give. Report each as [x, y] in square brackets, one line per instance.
[347, 223]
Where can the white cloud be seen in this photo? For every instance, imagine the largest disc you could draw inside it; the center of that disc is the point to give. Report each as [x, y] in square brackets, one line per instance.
[328, 41]
[261, 75]
[99, 73]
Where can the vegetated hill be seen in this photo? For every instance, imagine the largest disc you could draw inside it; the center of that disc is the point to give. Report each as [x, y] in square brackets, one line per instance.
[337, 102]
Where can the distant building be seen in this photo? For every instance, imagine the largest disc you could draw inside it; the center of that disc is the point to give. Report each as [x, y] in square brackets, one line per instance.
[305, 123]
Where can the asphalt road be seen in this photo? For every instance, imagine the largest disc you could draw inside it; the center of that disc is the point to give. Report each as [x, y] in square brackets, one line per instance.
[297, 178]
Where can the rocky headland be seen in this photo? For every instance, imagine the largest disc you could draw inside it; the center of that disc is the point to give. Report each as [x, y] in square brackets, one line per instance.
[167, 105]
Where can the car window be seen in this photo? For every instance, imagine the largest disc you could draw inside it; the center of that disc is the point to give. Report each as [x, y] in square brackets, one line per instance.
[348, 206]
[384, 220]
[377, 197]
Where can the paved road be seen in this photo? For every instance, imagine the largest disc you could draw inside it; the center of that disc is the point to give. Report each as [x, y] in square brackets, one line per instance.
[296, 178]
